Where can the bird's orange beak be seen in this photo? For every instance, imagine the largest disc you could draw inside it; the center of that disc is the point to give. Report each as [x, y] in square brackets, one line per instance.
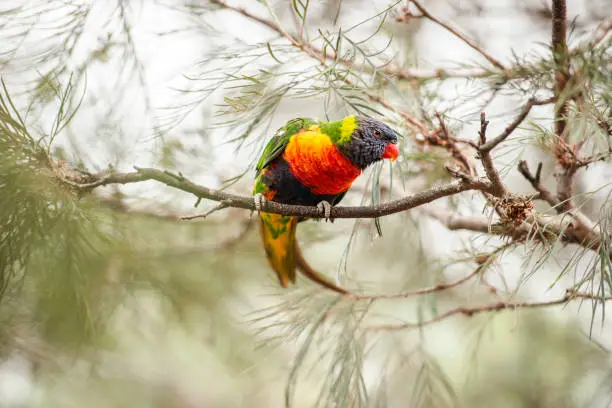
[391, 152]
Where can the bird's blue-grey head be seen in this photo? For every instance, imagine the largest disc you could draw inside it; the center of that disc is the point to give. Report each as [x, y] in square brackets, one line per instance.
[371, 141]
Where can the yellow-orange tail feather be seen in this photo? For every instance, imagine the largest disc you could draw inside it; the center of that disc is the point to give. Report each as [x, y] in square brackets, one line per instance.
[278, 237]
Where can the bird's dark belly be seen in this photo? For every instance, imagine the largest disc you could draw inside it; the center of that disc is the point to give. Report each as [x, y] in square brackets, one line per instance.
[289, 190]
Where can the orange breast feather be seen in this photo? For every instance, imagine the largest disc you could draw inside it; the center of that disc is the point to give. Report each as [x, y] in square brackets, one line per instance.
[316, 162]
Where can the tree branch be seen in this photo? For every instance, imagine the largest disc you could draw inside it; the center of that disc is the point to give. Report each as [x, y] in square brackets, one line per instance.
[471, 311]
[491, 187]
[395, 71]
[582, 230]
[389, 69]
[453, 222]
[535, 181]
[485, 147]
[560, 56]
[437, 288]
[491, 144]
[499, 189]
[410, 120]
[583, 236]
[322, 57]
[444, 139]
[565, 174]
[232, 200]
[457, 34]
[216, 208]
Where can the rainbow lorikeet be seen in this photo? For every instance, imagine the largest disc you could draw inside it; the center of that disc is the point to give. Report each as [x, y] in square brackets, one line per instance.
[310, 162]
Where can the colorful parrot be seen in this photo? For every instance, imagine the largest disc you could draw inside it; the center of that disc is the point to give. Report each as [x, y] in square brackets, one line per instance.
[314, 163]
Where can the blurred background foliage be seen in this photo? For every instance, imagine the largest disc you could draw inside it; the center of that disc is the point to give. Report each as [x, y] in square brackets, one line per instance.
[108, 298]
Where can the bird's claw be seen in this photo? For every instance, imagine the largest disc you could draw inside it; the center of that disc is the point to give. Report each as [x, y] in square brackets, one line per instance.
[325, 210]
[259, 201]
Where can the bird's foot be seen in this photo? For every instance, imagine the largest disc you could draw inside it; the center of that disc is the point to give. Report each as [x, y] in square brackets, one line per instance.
[325, 210]
[259, 201]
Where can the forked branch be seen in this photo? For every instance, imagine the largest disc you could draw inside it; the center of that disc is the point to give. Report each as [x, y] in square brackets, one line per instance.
[536, 183]
[499, 189]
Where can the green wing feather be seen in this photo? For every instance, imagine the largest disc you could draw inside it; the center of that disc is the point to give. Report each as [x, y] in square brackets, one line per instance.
[279, 141]
[278, 232]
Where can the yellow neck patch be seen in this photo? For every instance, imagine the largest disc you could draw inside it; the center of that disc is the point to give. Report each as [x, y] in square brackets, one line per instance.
[349, 124]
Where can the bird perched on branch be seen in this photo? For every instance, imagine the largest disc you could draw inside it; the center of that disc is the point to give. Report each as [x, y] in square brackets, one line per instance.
[314, 163]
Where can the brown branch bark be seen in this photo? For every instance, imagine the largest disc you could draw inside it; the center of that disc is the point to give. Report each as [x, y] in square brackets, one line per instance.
[583, 234]
[565, 174]
[581, 230]
[453, 222]
[499, 189]
[516, 232]
[485, 147]
[232, 200]
[560, 56]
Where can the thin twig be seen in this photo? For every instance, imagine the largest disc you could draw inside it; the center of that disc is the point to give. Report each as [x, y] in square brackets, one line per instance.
[390, 69]
[499, 189]
[601, 32]
[216, 208]
[444, 139]
[248, 14]
[536, 183]
[491, 144]
[84, 186]
[457, 34]
[471, 311]
[582, 229]
[482, 224]
[318, 55]
[585, 162]
[411, 121]
[437, 288]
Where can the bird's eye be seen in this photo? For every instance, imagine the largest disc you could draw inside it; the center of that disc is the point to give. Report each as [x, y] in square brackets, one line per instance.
[376, 133]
